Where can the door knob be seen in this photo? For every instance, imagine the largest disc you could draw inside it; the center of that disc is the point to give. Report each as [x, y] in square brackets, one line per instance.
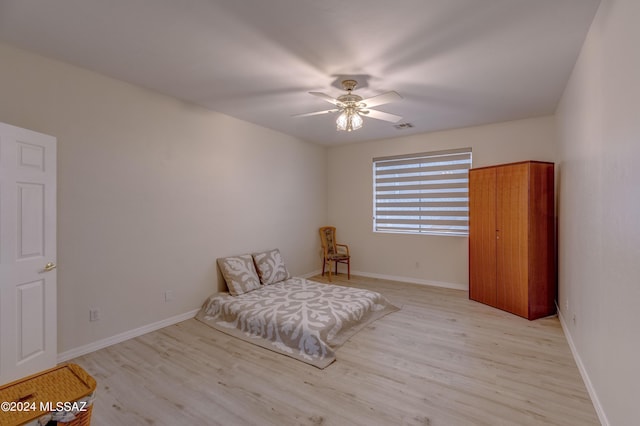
[50, 267]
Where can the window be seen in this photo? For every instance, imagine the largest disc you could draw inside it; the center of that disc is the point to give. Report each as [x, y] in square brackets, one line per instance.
[425, 193]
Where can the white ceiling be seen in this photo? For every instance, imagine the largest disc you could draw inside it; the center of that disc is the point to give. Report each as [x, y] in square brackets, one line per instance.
[456, 63]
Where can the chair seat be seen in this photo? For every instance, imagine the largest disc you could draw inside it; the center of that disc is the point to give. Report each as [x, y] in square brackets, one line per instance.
[338, 256]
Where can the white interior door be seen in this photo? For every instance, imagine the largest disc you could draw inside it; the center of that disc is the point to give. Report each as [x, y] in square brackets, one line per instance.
[28, 318]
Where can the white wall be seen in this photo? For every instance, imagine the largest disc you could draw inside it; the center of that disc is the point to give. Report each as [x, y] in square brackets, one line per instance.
[440, 260]
[599, 210]
[152, 190]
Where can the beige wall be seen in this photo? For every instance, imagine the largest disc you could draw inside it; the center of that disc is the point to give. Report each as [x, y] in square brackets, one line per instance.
[441, 260]
[599, 210]
[153, 190]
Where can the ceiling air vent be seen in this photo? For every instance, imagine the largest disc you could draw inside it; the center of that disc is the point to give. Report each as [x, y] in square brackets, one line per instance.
[403, 126]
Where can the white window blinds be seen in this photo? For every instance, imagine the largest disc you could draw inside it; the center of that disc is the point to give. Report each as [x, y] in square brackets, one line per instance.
[425, 193]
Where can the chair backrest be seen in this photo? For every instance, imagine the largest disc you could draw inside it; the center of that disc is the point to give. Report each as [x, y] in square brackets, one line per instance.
[328, 239]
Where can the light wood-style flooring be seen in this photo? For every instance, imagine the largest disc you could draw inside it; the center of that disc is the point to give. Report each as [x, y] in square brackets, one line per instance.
[442, 360]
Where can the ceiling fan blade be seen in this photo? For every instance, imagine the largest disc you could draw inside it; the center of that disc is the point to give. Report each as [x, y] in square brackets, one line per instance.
[382, 99]
[308, 114]
[326, 97]
[379, 115]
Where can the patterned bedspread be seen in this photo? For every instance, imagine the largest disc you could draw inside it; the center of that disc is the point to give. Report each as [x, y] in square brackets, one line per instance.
[303, 319]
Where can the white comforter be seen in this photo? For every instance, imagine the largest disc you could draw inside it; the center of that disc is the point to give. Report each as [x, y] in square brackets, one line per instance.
[303, 319]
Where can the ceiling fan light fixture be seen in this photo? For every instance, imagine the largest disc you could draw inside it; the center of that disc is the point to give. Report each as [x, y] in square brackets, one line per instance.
[352, 108]
[349, 120]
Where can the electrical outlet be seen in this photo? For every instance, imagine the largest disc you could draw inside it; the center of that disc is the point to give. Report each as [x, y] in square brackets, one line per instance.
[566, 305]
[168, 295]
[94, 314]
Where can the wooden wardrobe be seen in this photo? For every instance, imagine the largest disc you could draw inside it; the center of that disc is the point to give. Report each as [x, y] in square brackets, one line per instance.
[512, 238]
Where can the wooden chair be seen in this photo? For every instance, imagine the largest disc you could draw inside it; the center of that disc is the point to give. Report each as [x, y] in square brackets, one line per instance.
[333, 252]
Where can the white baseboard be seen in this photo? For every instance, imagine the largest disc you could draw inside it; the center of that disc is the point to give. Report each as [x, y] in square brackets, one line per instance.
[583, 372]
[311, 274]
[398, 278]
[412, 280]
[103, 343]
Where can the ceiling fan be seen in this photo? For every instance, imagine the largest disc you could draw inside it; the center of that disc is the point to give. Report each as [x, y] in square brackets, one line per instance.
[352, 107]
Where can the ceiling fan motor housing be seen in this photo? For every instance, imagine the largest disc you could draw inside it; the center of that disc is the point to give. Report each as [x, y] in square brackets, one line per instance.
[349, 99]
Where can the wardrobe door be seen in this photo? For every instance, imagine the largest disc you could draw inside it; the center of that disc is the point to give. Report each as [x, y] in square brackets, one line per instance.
[482, 235]
[512, 238]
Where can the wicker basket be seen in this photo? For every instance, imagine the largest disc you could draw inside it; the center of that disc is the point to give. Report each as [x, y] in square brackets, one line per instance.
[63, 384]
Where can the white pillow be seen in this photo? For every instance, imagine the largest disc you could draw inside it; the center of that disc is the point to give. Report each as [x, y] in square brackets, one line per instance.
[271, 268]
[239, 273]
